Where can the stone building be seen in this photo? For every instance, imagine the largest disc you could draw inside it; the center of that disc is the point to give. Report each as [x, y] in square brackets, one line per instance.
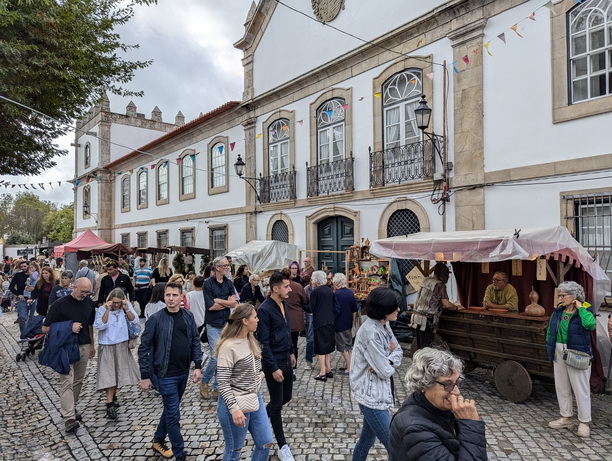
[328, 130]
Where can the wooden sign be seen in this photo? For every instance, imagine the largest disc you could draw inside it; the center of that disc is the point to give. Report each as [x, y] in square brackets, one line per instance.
[485, 268]
[517, 267]
[415, 277]
[541, 269]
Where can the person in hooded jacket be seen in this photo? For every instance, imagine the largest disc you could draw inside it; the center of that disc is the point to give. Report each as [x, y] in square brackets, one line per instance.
[436, 422]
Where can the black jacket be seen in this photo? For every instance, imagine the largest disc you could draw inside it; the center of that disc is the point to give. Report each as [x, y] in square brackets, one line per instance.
[213, 289]
[107, 285]
[247, 295]
[274, 334]
[18, 283]
[422, 432]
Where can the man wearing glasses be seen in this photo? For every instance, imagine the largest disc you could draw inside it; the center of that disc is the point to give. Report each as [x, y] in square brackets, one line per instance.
[76, 308]
[500, 294]
[219, 297]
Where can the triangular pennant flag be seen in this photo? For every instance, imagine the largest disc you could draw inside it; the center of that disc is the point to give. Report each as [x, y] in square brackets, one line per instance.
[345, 106]
[502, 37]
[455, 67]
[41, 185]
[329, 113]
[221, 149]
[12, 186]
[131, 171]
[486, 45]
[152, 167]
[87, 179]
[258, 135]
[514, 28]
[51, 185]
[285, 127]
[466, 59]
[178, 160]
[166, 163]
[273, 132]
[193, 157]
[378, 94]
[301, 122]
[32, 186]
[361, 99]
[430, 75]
[77, 182]
[26, 186]
[551, 7]
[232, 145]
[532, 16]
[119, 173]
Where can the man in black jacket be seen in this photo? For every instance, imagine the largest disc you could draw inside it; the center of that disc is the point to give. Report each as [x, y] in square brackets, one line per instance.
[17, 287]
[114, 279]
[278, 358]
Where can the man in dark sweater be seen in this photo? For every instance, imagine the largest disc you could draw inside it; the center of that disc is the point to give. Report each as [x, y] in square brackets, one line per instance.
[78, 308]
[114, 279]
[17, 287]
[172, 342]
[278, 358]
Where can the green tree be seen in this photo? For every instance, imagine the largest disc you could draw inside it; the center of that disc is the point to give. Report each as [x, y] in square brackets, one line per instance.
[58, 224]
[60, 58]
[19, 237]
[26, 215]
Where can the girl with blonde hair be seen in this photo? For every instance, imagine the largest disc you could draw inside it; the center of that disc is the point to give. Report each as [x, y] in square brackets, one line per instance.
[162, 272]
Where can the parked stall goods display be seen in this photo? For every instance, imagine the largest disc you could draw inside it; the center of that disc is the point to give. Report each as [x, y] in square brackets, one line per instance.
[366, 272]
[514, 343]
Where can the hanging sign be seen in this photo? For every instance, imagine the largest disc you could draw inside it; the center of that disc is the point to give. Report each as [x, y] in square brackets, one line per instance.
[484, 268]
[415, 277]
[517, 267]
[541, 269]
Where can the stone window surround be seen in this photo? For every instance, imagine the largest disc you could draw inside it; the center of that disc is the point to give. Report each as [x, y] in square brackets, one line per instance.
[347, 95]
[139, 205]
[567, 204]
[187, 152]
[225, 188]
[402, 203]
[157, 234]
[562, 110]
[128, 235]
[87, 155]
[125, 179]
[157, 167]
[280, 216]
[211, 229]
[417, 62]
[87, 200]
[184, 230]
[146, 237]
[278, 114]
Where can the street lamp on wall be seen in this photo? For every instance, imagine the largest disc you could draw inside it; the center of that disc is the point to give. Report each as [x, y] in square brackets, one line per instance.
[87, 211]
[240, 167]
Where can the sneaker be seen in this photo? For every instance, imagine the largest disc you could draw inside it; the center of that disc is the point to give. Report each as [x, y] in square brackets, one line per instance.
[163, 449]
[77, 416]
[584, 430]
[204, 393]
[307, 365]
[111, 411]
[284, 454]
[71, 425]
[561, 423]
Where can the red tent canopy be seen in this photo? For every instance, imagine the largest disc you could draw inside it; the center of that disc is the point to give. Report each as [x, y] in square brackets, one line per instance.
[86, 240]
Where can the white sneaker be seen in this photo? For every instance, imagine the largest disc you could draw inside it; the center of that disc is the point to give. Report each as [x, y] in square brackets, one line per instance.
[584, 430]
[561, 423]
[284, 454]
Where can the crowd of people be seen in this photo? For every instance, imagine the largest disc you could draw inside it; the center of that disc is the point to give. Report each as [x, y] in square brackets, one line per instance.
[254, 337]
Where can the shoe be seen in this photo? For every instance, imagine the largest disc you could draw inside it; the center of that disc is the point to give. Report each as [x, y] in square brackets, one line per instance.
[343, 372]
[163, 449]
[77, 416]
[329, 374]
[342, 369]
[111, 411]
[584, 430]
[115, 401]
[320, 378]
[204, 393]
[284, 454]
[308, 366]
[71, 425]
[561, 423]
[215, 394]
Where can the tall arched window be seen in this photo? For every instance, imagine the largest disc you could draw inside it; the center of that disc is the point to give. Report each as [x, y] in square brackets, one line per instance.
[86, 202]
[590, 49]
[143, 182]
[162, 183]
[330, 131]
[187, 176]
[278, 146]
[403, 222]
[87, 155]
[400, 97]
[125, 193]
[218, 159]
[280, 231]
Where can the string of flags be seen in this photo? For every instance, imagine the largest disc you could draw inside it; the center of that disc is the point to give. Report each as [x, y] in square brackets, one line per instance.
[31, 186]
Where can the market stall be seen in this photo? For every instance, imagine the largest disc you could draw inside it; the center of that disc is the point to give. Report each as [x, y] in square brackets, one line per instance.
[69, 250]
[265, 255]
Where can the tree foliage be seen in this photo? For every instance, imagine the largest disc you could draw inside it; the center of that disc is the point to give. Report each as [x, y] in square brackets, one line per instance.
[58, 224]
[60, 58]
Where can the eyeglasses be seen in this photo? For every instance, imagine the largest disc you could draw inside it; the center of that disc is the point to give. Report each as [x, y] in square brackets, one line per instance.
[449, 386]
[561, 296]
[84, 292]
[497, 280]
[223, 265]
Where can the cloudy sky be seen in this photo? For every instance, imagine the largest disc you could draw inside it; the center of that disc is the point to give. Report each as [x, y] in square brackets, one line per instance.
[195, 69]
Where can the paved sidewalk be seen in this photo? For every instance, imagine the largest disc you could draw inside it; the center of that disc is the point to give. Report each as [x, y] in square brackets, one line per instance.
[322, 422]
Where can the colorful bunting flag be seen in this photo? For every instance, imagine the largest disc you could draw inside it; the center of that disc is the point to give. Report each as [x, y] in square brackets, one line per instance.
[232, 145]
[193, 157]
[178, 160]
[550, 5]
[502, 37]
[285, 127]
[258, 135]
[131, 171]
[87, 179]
[152, 167]
[486, 45]
[301, 122]
[378, 94]
[361, 99]
[273, 132]
[466, 60]
[532, 16]
[32, 186]
[455, 67]
[119, 173]
[345, 106]
[329, 113]
[77, 182]
[430, 75]
[514, 28]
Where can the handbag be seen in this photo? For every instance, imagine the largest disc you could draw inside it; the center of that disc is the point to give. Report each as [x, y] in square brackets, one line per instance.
[134, 328]
[576, 359]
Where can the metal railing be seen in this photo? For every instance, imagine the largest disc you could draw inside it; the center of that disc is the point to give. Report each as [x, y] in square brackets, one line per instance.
[405, 163]
[330, 177]
[277, 187]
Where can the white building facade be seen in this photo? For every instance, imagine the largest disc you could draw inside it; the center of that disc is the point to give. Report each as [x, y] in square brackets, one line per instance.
[328, 132]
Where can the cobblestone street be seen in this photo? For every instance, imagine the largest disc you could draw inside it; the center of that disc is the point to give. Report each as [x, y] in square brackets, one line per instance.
[322, 422]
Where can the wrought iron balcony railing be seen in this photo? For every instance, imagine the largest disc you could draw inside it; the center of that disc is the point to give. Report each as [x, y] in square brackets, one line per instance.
[400, 164]
[277, 187]
[330, 177]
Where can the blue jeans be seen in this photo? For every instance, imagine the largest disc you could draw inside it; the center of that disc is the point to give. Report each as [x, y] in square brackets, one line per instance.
[214, 334]
[376, 423]
[23, 311]
[309, 338]
[171, 390]
[256, 423]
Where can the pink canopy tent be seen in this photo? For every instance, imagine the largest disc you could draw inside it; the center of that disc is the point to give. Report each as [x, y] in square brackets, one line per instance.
[86, 240]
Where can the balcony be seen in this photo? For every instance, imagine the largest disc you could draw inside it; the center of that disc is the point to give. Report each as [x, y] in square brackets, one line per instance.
[401, 164]
[330, 177]
[277, 187]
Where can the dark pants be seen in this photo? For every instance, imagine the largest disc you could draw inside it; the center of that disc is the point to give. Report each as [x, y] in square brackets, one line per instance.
[425, 338]
[143, 295]
[171, 390]
[280, 394]
[295, 335]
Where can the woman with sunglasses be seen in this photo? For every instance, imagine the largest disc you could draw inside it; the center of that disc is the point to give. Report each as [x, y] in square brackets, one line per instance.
[436, 422]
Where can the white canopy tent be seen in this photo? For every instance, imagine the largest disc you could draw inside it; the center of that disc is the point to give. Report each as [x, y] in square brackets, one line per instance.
[263, 255]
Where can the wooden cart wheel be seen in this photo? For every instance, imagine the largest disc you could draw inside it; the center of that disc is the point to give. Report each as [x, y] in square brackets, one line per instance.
[438, 342]
[512, 381]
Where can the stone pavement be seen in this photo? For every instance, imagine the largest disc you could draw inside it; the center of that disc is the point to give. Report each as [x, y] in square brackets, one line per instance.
[322, 422]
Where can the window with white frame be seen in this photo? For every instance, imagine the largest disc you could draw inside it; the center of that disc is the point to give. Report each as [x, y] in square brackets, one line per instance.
[590, 49]
[162, 183]
[125, 193]
[142, 240]
[187, 176]
[87, 155]
[86, 202]
[143, 180]
[278, 146]
[162, 239]
[125, 240]
[187, 237]
[330, 131]
[218, 238]
[218, 156]
[400, 96]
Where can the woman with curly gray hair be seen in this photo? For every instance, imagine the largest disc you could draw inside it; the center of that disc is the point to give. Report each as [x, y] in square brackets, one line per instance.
[436, 422]
[570, 327]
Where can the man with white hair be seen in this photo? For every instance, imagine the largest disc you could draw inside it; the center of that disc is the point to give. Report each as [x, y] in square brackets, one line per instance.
[344, 307]
[85, 271]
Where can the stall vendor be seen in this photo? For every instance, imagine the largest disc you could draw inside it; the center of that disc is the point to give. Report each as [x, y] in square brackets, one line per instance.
[500, 294]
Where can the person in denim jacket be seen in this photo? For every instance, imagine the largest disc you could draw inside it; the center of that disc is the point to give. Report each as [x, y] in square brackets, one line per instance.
[376, 355]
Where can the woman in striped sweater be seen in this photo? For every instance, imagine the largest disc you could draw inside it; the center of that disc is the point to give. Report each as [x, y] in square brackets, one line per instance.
[239, 374]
